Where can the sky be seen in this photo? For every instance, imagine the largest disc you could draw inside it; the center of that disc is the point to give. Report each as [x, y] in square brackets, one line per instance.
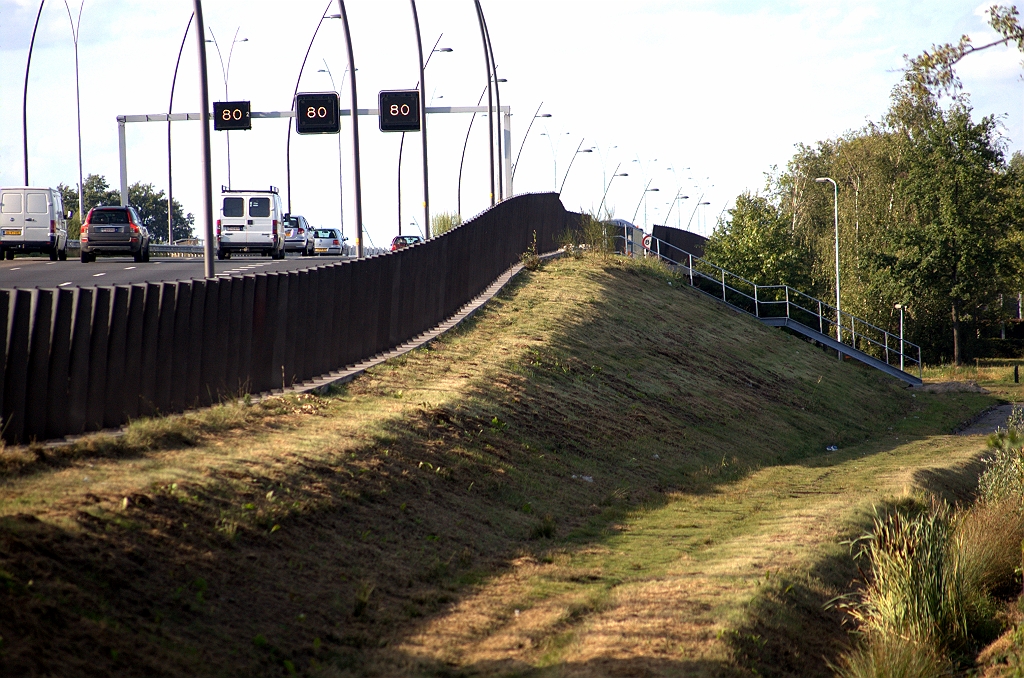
[693, 98]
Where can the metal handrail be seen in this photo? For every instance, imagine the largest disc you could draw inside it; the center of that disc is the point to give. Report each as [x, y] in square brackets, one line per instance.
[754, 299]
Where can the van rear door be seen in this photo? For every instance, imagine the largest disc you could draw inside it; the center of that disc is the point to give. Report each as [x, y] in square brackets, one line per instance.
[232, 222]
[259, 225]
[37, 216]
[12, 215]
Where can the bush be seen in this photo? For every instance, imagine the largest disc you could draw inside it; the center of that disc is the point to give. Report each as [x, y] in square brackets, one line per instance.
[442, 222]
[885, 656]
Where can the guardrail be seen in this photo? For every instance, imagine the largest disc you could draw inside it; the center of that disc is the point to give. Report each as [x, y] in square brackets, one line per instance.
[83, 359]
[193, 251]
[782, 305]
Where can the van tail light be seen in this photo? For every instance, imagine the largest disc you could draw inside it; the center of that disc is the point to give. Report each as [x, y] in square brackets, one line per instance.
[218, 228]
[53, 226]
[275, 226]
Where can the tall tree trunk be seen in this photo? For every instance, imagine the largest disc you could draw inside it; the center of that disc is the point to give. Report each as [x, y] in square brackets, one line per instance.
[957, 358]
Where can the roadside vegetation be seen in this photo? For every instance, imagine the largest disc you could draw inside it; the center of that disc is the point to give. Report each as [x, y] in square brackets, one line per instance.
[601, 472]
[929, 208]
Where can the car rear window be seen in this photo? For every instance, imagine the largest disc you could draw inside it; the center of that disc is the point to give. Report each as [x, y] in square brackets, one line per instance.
[325, 234]
[259, 207]
[115, 216]
[10, 203]
[234, 207]
[291, 222]
[37, 203]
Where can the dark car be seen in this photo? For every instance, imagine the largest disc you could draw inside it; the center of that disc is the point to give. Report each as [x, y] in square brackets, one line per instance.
[114, 230]
[401, 241]
[298, 236]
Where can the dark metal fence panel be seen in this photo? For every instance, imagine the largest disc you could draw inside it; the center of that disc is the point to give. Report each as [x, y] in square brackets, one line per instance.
[78, 372]
[60, 365]
[150, 368]
[38, 366]
[112, 354]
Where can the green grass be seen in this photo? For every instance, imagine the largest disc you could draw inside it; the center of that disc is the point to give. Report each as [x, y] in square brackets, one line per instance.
[639, 472]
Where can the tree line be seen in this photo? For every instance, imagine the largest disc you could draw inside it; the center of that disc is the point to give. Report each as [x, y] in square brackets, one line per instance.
[930, 214]
[150, 203]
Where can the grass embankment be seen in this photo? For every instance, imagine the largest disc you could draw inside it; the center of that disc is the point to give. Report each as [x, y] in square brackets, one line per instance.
[599, 473]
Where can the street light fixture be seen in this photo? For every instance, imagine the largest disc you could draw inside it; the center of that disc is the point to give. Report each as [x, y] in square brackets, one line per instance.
[226, 73]
[835, 207]
[616, 173]
[78, 104]
[643, 200]
[465, 145]
[578, 151]
[554, 151]
[674, 201]
[705, 206]
[536, 115]
[24, 96]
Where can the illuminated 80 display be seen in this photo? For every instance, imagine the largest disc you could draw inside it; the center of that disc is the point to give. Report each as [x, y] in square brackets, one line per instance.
[399, 110]
[231, 115]
[317, 113]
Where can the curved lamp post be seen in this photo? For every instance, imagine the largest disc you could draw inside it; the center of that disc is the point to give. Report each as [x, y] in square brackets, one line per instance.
[423, 124]
[578, 151]
[705, 206]
[226, 73]
[24, 96]
[643, 198]
[490, 98]
[608, 186]
[204, 116]
[288, 144]
[554, 152]
[465, 144]
[341, 186]
[357, 173]
[536, 115]
[78, 103]
[674, 201]
[170, 108]
[835, 208]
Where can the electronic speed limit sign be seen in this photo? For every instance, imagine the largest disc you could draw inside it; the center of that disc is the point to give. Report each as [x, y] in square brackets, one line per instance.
[399, 110]
[231, 115]
[317, 113]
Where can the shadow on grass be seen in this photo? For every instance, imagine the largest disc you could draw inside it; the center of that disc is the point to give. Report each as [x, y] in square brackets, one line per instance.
[629, 392]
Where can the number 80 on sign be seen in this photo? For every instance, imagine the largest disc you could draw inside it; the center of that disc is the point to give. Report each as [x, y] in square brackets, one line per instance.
[317, 113]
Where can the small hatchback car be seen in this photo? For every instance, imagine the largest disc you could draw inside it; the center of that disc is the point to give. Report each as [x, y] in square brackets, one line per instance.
[114, 230]
[298, 236]
[402, 241]
[327, 241]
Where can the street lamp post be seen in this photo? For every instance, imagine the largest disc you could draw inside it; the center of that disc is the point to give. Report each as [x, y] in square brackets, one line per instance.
[24, 96]
[288, 143]
[357, 173]
[643, 199]
[835, 208]
[170, 108]
[341, 186]
[204, 116]
[674, 201]
[226, 73]
[901, 307]
[536, 115]
[490, 99]
[578, 151]
[554, 152]
[608, 186]
[465, 145]
[78, 104]
[705, 206]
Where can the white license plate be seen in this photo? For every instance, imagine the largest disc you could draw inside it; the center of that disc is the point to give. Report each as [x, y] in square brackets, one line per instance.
[11, 232]
[108, 229]
[232, 228]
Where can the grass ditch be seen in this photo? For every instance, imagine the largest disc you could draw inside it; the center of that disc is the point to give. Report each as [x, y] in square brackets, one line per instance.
[595, 447]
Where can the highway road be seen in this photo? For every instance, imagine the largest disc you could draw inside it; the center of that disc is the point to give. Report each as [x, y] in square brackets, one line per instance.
[40, 272]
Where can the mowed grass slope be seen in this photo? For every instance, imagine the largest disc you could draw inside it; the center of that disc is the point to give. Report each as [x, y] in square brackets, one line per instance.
[476, 507]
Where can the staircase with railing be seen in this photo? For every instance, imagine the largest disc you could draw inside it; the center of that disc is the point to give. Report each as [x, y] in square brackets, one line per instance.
[784, 306]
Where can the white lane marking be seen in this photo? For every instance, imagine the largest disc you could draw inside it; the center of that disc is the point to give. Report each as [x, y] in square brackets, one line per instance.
[129, 268]
[64, 284]
[50, 263]
[17, 268]
[96, 275]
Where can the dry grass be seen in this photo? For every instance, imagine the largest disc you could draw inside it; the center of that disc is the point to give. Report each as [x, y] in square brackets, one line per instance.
[622, 461]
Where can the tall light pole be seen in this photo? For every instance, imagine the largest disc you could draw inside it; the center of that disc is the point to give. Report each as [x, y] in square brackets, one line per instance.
[78, 104]
[705, 206]
[226, 73]
[170, 108]
[536, 115]
[24, 96]
[578, 151]
[341, 186]
[423, 119]
[835, 208]
[496, 134]
[554, 152]
[616, 173]
[490, 98]
[465, 145]
[204, 117]
[674, 201]
[643, 199]
[901, 307]
[357, 173]
[288, 143]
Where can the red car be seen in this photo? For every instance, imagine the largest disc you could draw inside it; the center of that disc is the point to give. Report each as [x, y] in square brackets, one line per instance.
[401, 241]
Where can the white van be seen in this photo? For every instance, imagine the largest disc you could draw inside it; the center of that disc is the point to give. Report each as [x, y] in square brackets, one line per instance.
[250, 221]
[33, 220]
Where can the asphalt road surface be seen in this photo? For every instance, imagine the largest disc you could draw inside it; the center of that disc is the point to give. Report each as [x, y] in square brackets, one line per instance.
[40, 272]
